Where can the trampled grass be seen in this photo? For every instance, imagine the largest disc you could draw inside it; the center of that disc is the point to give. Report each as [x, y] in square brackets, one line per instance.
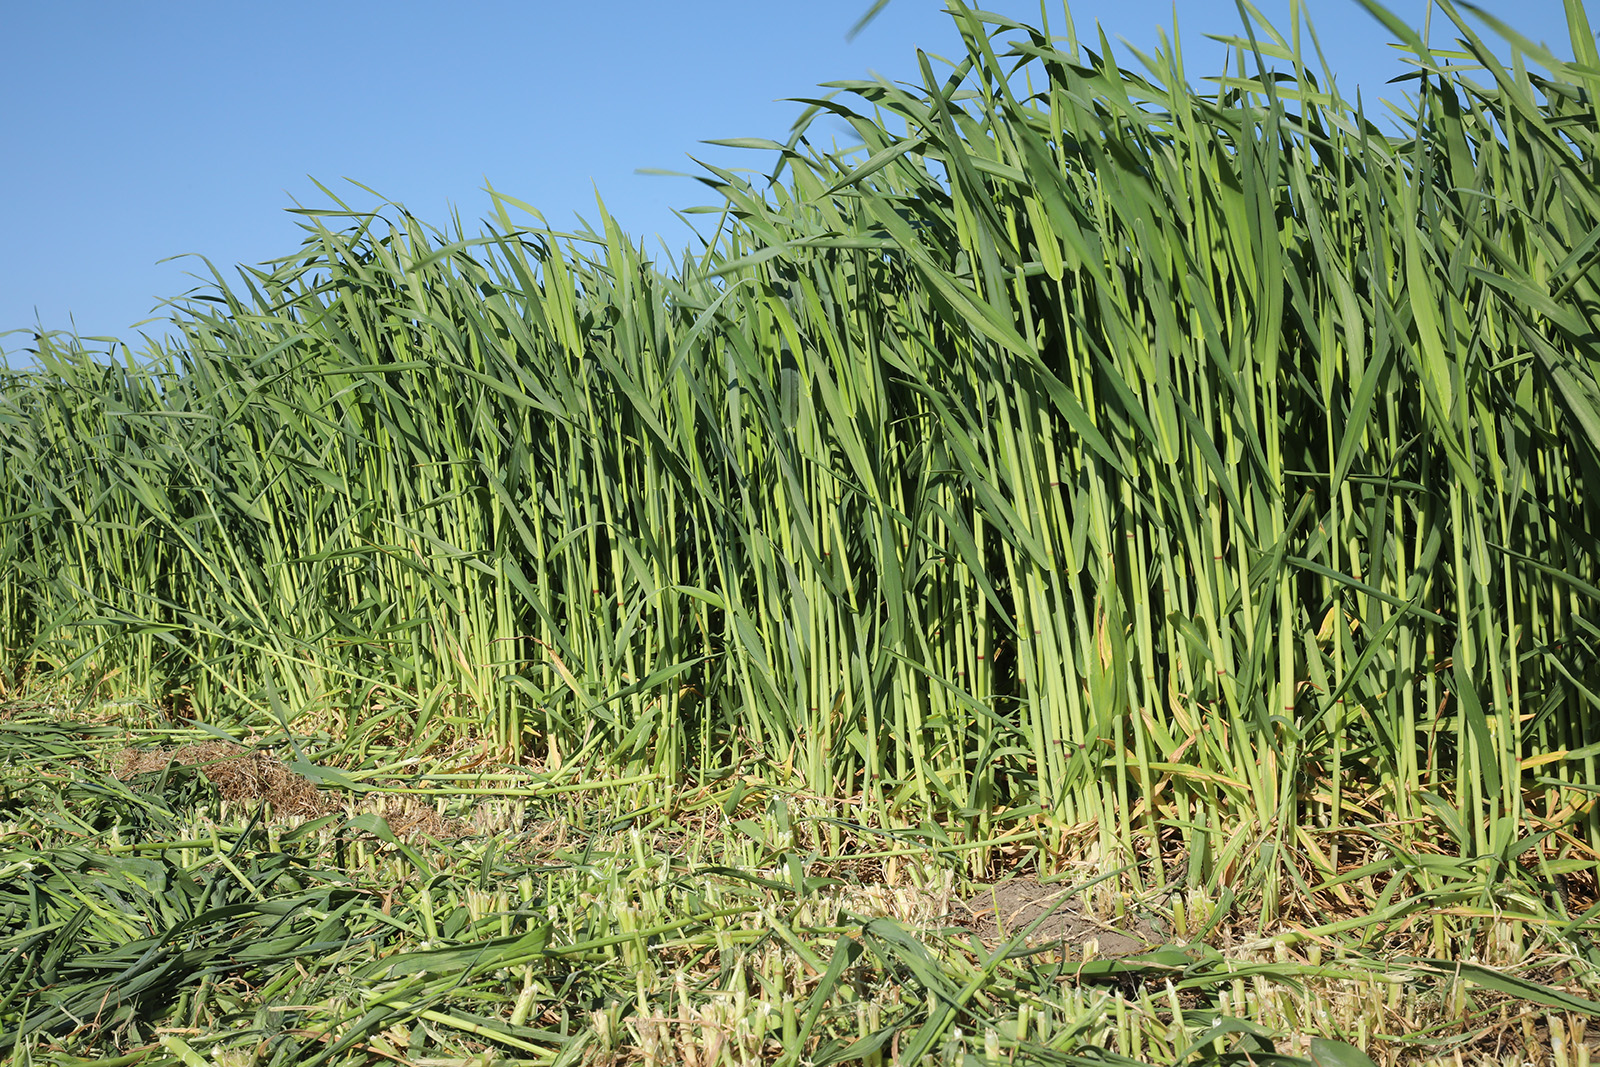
[160, 908]
[1183, 490]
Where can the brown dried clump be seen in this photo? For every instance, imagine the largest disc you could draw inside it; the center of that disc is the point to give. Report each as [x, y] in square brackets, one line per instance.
[412, 817]
[250, 776]
[239, 773]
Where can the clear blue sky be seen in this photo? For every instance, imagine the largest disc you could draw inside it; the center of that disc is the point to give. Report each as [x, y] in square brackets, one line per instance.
[131, 132]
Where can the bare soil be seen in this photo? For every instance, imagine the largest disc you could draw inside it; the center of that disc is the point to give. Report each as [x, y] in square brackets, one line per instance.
[1002, 910]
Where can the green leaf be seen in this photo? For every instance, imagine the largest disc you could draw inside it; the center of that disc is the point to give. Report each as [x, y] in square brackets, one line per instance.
[1325, 1052]
[1510, 985]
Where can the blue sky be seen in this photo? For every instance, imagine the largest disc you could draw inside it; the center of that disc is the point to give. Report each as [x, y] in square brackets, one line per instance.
[136, 132]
